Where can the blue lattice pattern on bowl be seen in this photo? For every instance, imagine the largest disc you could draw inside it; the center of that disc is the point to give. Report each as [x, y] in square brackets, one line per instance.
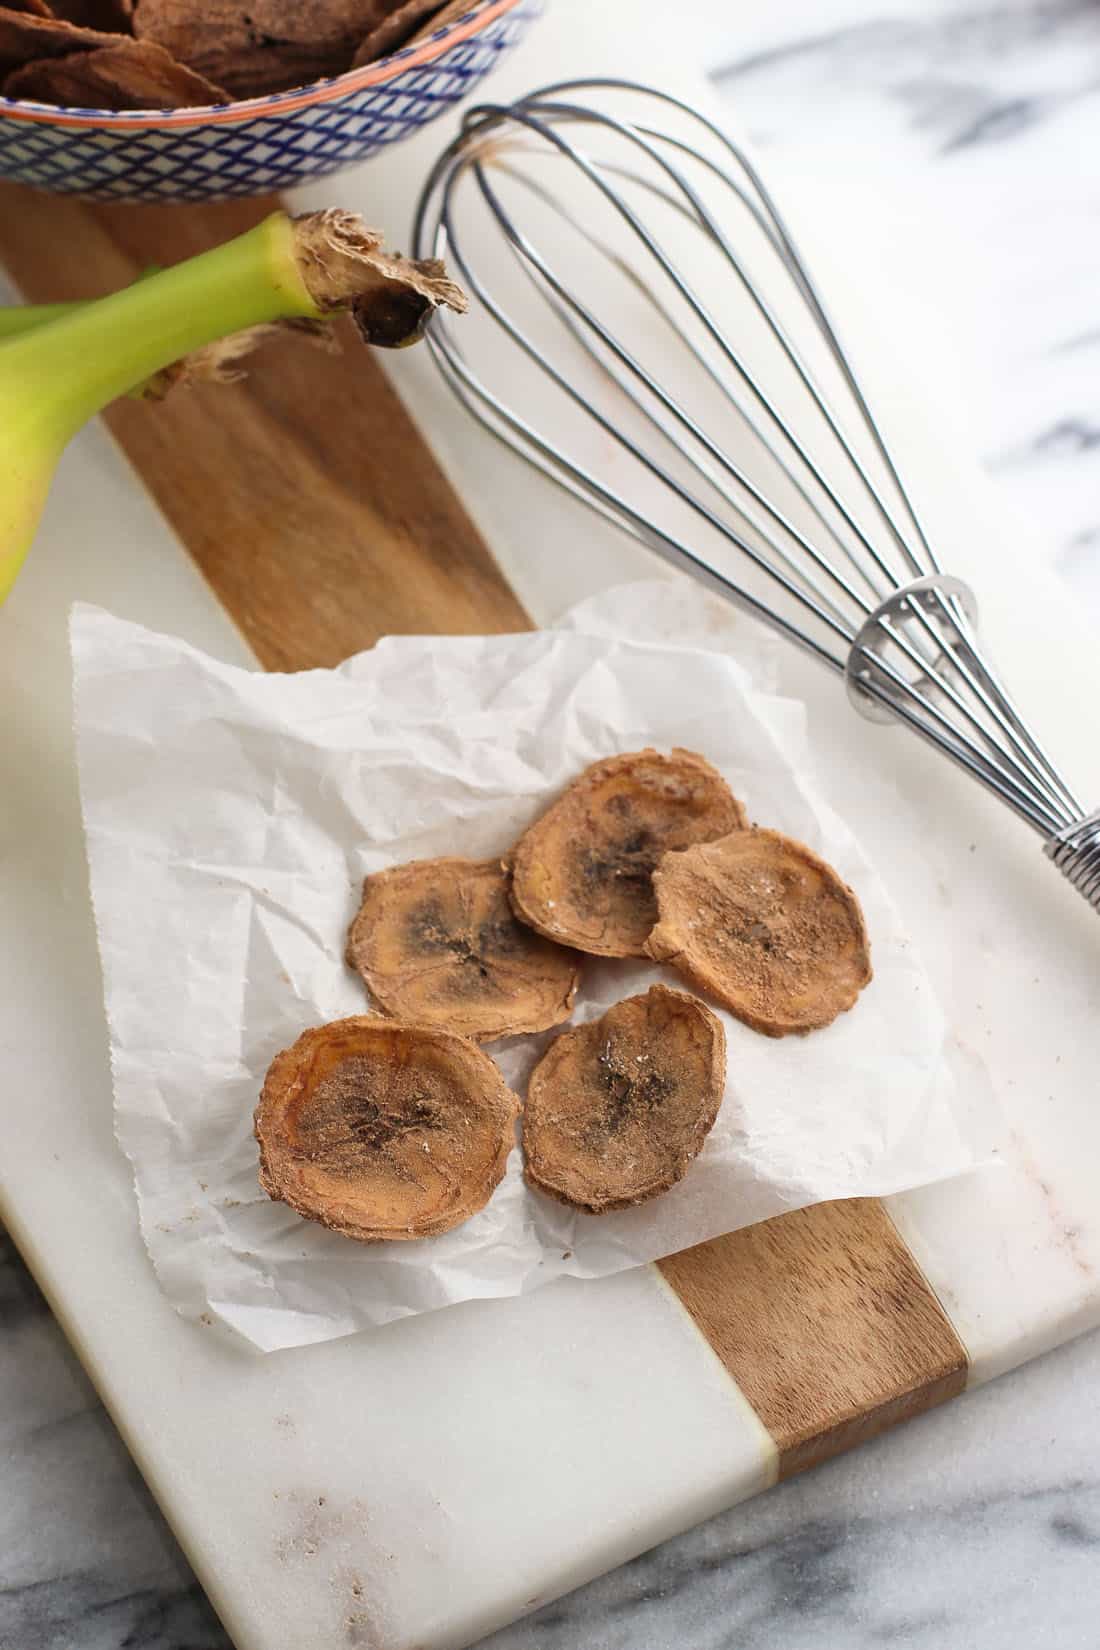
[266, 144]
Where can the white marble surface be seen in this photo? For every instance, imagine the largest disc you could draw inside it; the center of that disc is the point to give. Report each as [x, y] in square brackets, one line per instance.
[974, 1528]
[955, 144]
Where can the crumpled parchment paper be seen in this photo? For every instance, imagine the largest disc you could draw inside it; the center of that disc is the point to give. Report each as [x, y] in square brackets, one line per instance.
[231, 816]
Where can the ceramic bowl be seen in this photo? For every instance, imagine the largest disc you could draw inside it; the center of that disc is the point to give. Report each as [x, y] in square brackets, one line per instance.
[264, 143]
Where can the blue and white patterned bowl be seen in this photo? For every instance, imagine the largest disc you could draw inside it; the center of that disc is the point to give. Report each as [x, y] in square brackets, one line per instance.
[266, 143]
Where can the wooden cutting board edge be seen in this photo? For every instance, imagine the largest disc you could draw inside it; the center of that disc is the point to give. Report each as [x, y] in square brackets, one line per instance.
[321, 521]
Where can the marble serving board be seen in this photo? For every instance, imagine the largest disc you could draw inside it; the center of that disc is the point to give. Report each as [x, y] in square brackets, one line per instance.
[421, 1486]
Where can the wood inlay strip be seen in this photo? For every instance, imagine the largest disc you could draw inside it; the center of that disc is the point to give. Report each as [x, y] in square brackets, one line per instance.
[316, 511]
[826, 1323]
[305, 493]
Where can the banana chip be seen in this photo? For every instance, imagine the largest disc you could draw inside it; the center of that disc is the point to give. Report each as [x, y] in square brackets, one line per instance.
[247, 47]
[617, 1109]
[128, 74]
[436, 941]
[583, 873]
[765, 927]
[394, 28]
[383, 1131]
[115, 15]
[257, 46]
[26, 36]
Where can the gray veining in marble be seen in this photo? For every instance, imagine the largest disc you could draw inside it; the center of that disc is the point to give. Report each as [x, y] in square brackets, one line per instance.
[959, 141]
[967, 136]
[86, 1562]
[975, 1528]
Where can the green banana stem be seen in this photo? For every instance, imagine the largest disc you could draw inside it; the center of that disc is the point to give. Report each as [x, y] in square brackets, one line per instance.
[20, 318]
[63, 373]
[217, 363]
[15, 319]
[56, 376]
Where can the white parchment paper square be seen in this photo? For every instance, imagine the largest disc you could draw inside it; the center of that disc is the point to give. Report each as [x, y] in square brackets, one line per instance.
[230, 818]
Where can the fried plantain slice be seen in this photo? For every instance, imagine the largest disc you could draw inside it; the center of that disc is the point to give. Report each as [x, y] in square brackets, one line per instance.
[617, 1109]
[583, 873]
[436, 941]
[26, 36]
[394, 28]
[116, 15]
[766, 927]
[444, 16]
[257, 46]
[384, 1131]
[130, 74]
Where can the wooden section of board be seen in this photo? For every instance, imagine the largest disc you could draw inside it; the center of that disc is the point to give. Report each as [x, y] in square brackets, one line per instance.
[317, 513]
[305, 492]
[825, 1322]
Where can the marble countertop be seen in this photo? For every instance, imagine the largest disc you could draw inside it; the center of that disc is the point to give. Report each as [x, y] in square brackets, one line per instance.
[976, 1527]
[955, 144]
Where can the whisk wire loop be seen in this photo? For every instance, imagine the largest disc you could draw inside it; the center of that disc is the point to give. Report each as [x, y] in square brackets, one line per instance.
[686, 382]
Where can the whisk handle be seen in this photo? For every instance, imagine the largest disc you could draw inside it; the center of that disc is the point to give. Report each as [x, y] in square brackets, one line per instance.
[1076, 851]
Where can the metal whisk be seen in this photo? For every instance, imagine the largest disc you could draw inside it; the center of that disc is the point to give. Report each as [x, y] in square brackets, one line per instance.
[656, 345]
